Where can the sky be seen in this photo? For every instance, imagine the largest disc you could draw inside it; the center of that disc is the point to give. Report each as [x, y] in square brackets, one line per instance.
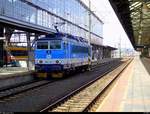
[113, 32]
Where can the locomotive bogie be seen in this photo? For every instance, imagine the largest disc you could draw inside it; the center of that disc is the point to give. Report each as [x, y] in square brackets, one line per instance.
[42, 75]
[57, 75]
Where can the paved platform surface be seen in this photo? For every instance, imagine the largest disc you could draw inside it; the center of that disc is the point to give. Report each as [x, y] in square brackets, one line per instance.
[12, 71]
[132, 91]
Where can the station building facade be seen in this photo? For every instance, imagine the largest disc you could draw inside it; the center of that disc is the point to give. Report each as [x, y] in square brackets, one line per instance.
[46, 13]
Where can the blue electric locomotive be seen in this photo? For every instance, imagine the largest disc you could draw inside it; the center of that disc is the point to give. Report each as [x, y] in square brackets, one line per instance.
[59, 53]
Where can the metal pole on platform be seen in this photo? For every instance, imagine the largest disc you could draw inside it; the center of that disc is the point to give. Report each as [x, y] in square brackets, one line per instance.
[1, 32]
[90, 21]
[1, 53]
[6, 45]
[120, 54]
[29, 49]
[89, 39]
[1, 46]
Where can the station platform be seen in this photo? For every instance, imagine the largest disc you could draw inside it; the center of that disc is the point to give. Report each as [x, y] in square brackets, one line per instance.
[8, 72]
[131, 92]
[11, 76]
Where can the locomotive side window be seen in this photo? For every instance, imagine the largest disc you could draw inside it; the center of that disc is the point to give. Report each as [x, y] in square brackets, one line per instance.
[79, 49]
[42, 45]
[56, 44]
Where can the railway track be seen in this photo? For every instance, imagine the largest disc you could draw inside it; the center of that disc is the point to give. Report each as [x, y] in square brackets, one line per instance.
[17, 85]
[36, 96]
[83, 98]
[10, 92]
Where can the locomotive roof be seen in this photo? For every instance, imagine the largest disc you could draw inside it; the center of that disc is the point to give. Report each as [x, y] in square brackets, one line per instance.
[59, 36]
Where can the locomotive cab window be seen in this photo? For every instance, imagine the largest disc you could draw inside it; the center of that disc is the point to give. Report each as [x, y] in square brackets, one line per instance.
[42, 45]
[56, 44]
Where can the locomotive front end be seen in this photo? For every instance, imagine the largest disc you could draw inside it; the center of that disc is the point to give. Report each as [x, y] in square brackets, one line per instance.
[48, 58]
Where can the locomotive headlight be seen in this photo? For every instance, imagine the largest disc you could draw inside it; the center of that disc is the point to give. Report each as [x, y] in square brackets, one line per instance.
[57, 62]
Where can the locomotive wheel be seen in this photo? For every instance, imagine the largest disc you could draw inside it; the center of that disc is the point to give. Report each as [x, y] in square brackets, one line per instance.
[89, 68]
[67, 73]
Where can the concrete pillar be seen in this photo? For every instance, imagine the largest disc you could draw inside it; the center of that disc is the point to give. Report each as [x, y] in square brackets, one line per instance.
[8, 34]
[149, 52]
[145, 52]
[1, 32]
[29, 49]
[1, 53]
[1, 46]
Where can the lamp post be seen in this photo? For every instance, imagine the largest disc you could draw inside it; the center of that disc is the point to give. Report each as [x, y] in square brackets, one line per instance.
[90, 21]
[120, 53]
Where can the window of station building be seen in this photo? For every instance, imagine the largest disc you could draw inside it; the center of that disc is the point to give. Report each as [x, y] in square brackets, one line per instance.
[39, 17]
[71, 10]
[56, 44]
[33, 15]
[42, 45]
[45, 19]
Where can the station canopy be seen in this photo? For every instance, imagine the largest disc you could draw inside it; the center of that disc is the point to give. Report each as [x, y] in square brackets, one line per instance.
[135, 18]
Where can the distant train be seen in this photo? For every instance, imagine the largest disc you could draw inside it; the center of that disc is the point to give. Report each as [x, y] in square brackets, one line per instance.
[60, 53]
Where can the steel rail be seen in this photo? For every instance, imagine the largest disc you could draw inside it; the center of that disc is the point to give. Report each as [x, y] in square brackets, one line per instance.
[26, 86]
[105, 88]
[21, 89]
[68, 96]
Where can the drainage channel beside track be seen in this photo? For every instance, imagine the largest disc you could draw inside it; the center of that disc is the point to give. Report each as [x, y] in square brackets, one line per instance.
[84, 98]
